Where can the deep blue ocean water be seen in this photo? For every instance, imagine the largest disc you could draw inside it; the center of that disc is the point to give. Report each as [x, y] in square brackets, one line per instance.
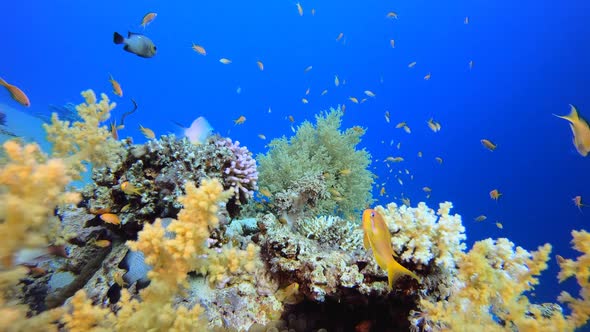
[531, 59]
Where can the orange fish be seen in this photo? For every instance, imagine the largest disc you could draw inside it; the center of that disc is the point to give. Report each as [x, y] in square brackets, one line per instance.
[495, 194]
[199, 49]
[378, 238]
[578, 202]
[116, 86]
[110, 218]
[260, 65]
[129, 189]
[240, 120]
[147, 19]
[488, 144]
[16, 93]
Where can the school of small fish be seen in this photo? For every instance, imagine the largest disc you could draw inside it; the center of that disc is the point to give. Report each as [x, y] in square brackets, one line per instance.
[142, 46]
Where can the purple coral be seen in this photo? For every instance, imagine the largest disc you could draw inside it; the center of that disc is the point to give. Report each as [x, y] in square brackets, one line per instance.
[240, 172]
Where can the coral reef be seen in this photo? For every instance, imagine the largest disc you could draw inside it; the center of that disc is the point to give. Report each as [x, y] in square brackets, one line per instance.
[319, 171]
[158, 171]
[200, 268]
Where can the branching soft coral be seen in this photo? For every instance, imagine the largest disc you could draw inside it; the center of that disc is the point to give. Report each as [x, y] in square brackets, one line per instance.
[172, 252]
[489, 292]
[85, 140]
[232, 263]
[32, 186]
[580, 269]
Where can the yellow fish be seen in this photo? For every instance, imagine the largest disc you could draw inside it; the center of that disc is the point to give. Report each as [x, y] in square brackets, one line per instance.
[147, 132]
[488, 144]
[378, 238]
[129, 189]
[345, 172]
[480, 218]
[299, 9]
[400, 125]
[382, 191]
[225, 61]
[433, 125]
[580, 130]
[265, 192]
[407, 129]
[499, 225]
[336, 80]
[240, 120]
[353, 99]
[199, 49]
[116, 86]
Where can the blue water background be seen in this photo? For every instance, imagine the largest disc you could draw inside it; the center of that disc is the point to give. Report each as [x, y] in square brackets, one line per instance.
[531, 59]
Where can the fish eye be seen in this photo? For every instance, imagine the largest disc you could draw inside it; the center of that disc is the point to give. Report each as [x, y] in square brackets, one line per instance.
[372, 214]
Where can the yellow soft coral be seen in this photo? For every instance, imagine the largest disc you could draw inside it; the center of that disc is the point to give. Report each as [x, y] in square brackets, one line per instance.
[231, 265]
[491, 282]
[171, 258]
[85, 140]
[581, 270]
[32, 186]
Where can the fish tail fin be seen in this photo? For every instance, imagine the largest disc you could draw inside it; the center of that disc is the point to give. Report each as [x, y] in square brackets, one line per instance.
[396, 270]
[3, 82]
[572, 116]
[118, 38]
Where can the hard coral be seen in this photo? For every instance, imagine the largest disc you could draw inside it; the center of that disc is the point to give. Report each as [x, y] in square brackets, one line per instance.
[160, 168]
[241, 173]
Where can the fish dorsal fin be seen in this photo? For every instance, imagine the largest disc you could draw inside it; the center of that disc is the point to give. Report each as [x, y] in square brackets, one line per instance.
[129, 34]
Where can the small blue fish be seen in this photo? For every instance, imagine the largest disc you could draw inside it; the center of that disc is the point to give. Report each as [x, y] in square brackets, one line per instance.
[137, 44]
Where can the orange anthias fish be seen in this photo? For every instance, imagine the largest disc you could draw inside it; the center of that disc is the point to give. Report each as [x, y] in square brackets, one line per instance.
[580, 130]
[240, 120]
[116, 86]
[495, 194]
[147, 19]
[378, 238]
[16, 93]
[578, 202]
